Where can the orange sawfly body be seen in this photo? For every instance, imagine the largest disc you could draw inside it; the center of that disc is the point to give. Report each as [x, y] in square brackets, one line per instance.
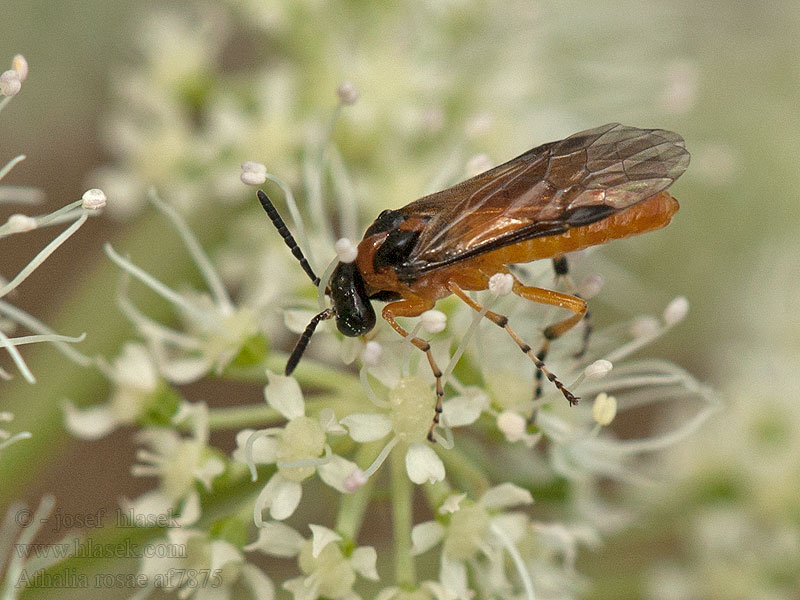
[592, 187]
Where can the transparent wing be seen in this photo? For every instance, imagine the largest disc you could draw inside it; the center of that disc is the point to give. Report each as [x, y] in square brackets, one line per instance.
[546, 191]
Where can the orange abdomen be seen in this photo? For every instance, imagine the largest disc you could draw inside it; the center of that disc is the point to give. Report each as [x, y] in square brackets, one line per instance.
[650, 214]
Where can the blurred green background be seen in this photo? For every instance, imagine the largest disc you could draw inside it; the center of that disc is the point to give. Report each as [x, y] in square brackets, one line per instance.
[726, 75]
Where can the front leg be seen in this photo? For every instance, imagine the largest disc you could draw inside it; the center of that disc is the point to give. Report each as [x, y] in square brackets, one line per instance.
[414, 307]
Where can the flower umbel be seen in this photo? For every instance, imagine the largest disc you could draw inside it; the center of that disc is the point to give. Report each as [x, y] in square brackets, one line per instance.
[184, 125]
[215, 329]
[179, 463]
[299, 449]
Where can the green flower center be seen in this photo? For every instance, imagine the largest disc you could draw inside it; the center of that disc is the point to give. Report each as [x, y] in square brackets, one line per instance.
[411, 410]
[303, 439]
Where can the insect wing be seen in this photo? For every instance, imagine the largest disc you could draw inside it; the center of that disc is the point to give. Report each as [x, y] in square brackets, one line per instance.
[545, 191]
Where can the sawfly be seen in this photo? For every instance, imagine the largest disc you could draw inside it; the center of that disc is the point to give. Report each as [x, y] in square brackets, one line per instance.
[595, 186]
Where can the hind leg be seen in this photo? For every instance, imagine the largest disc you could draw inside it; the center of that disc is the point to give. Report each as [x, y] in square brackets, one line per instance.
[502, 321]
[561, 269]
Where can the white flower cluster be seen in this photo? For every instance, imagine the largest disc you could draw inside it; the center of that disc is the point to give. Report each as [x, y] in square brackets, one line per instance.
[348, 430]
[75, 213]
[331, 464]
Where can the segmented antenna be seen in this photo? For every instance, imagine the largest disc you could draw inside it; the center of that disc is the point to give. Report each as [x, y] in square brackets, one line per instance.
[300, 347]
[284, 232]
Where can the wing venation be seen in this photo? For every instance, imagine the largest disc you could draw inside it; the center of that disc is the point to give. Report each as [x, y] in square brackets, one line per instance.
[547, 190]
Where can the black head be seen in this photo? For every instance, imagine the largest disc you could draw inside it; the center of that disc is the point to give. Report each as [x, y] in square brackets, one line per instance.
[351, 305]
[354, 313]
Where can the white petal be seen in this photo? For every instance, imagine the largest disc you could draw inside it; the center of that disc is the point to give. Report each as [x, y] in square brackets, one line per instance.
[350, 349]
[451, 504]
[453, 574]
[265, 448]
[155, 502]
[367, 427]
[258, 582]
[465, 410]
[515, 428]
[223, 553]
[514, 524]
[302, 588]
[208, 471]
[277, 539]
[389, 593]
[505, 495]
[89, 423]
[425, 536]
[135, 368]
[284, 395]
[336, 471]
[281, 496]
[327, 419]
[296, 320]
[423, 464]
[321, 537]
[185, 370]
[190, 511]
[439, 591]
[363, 561]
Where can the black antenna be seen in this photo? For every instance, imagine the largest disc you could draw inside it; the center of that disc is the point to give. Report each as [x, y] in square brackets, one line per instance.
[300, 347]
[276, 219]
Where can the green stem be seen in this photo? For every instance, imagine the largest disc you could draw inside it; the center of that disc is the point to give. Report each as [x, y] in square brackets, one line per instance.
[402, 519]
[239, 417]
[309, 373]
[260, 415]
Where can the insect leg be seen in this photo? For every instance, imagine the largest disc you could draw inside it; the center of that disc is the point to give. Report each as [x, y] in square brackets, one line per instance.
[561, 269]
[502, 321]
[413, 307]
[556, 330]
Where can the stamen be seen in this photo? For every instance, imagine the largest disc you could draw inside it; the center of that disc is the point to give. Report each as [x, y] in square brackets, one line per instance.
[344, 193]
[94, 199]
[11, 164]
[466, 338]
[516, 558]
[43, 255]
[253, 173]
[153, 283]
[248, 447]
[371, 395]
[35, 339]
[346, 250]
[308, 462]
[324, 280]
[24, 435]
[348, 93]
[297, 220]
[376, 464]
[197, 253]
[676, 311]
